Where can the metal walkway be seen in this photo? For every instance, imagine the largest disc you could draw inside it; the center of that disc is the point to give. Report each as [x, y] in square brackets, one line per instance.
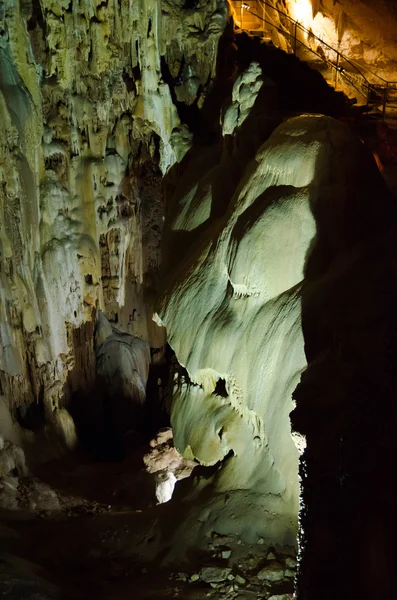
[258, 18]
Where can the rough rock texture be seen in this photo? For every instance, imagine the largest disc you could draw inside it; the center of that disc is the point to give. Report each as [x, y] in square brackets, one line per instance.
[89, 126]
[245, 93]
[163, 456]
[167, 465]
[12, 459]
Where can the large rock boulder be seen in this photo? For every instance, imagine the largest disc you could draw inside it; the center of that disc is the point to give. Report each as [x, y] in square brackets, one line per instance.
[232, 308]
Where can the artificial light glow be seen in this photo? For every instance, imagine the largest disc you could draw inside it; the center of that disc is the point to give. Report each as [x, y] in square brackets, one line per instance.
[245, 6]
[325, 29]
[322, 27]
[302, 11]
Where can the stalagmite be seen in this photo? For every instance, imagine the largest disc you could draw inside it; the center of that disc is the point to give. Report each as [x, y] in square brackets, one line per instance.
[12, 459]
[122, 363]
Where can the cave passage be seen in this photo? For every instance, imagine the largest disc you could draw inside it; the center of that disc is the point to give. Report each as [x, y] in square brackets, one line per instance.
[197, 272]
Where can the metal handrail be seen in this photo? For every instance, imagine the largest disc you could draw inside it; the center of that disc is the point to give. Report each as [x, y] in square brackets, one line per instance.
[376, 89]
[298, 25]
[344, 57]
[374, 74]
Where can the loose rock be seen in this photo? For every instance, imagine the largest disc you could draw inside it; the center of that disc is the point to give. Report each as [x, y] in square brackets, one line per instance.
[289, 573]
[272, 572]
[214, 574]
[290, 563]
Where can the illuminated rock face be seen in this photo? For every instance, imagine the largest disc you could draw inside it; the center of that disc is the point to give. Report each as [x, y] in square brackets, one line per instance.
[89, 127]
[364, 30]
[232, 308]
[368, 33]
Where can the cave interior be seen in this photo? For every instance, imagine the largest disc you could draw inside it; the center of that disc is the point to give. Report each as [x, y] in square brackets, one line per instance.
[198, 242]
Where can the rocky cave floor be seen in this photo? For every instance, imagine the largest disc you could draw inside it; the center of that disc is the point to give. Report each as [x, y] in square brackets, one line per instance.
[72, 531]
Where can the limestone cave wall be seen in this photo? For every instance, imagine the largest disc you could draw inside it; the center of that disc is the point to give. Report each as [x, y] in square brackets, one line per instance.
[89, 128]
[364, 30]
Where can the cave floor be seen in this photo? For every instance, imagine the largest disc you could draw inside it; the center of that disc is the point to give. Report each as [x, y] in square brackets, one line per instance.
[80, 530]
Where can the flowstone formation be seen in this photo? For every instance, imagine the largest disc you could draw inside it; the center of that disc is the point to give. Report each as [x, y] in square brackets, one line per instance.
[89, 129]
[233, 307]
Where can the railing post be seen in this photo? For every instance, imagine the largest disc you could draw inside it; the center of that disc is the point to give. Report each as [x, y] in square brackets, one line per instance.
[361, 80]
[336, 70]
[295, 38]
[385, 98]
